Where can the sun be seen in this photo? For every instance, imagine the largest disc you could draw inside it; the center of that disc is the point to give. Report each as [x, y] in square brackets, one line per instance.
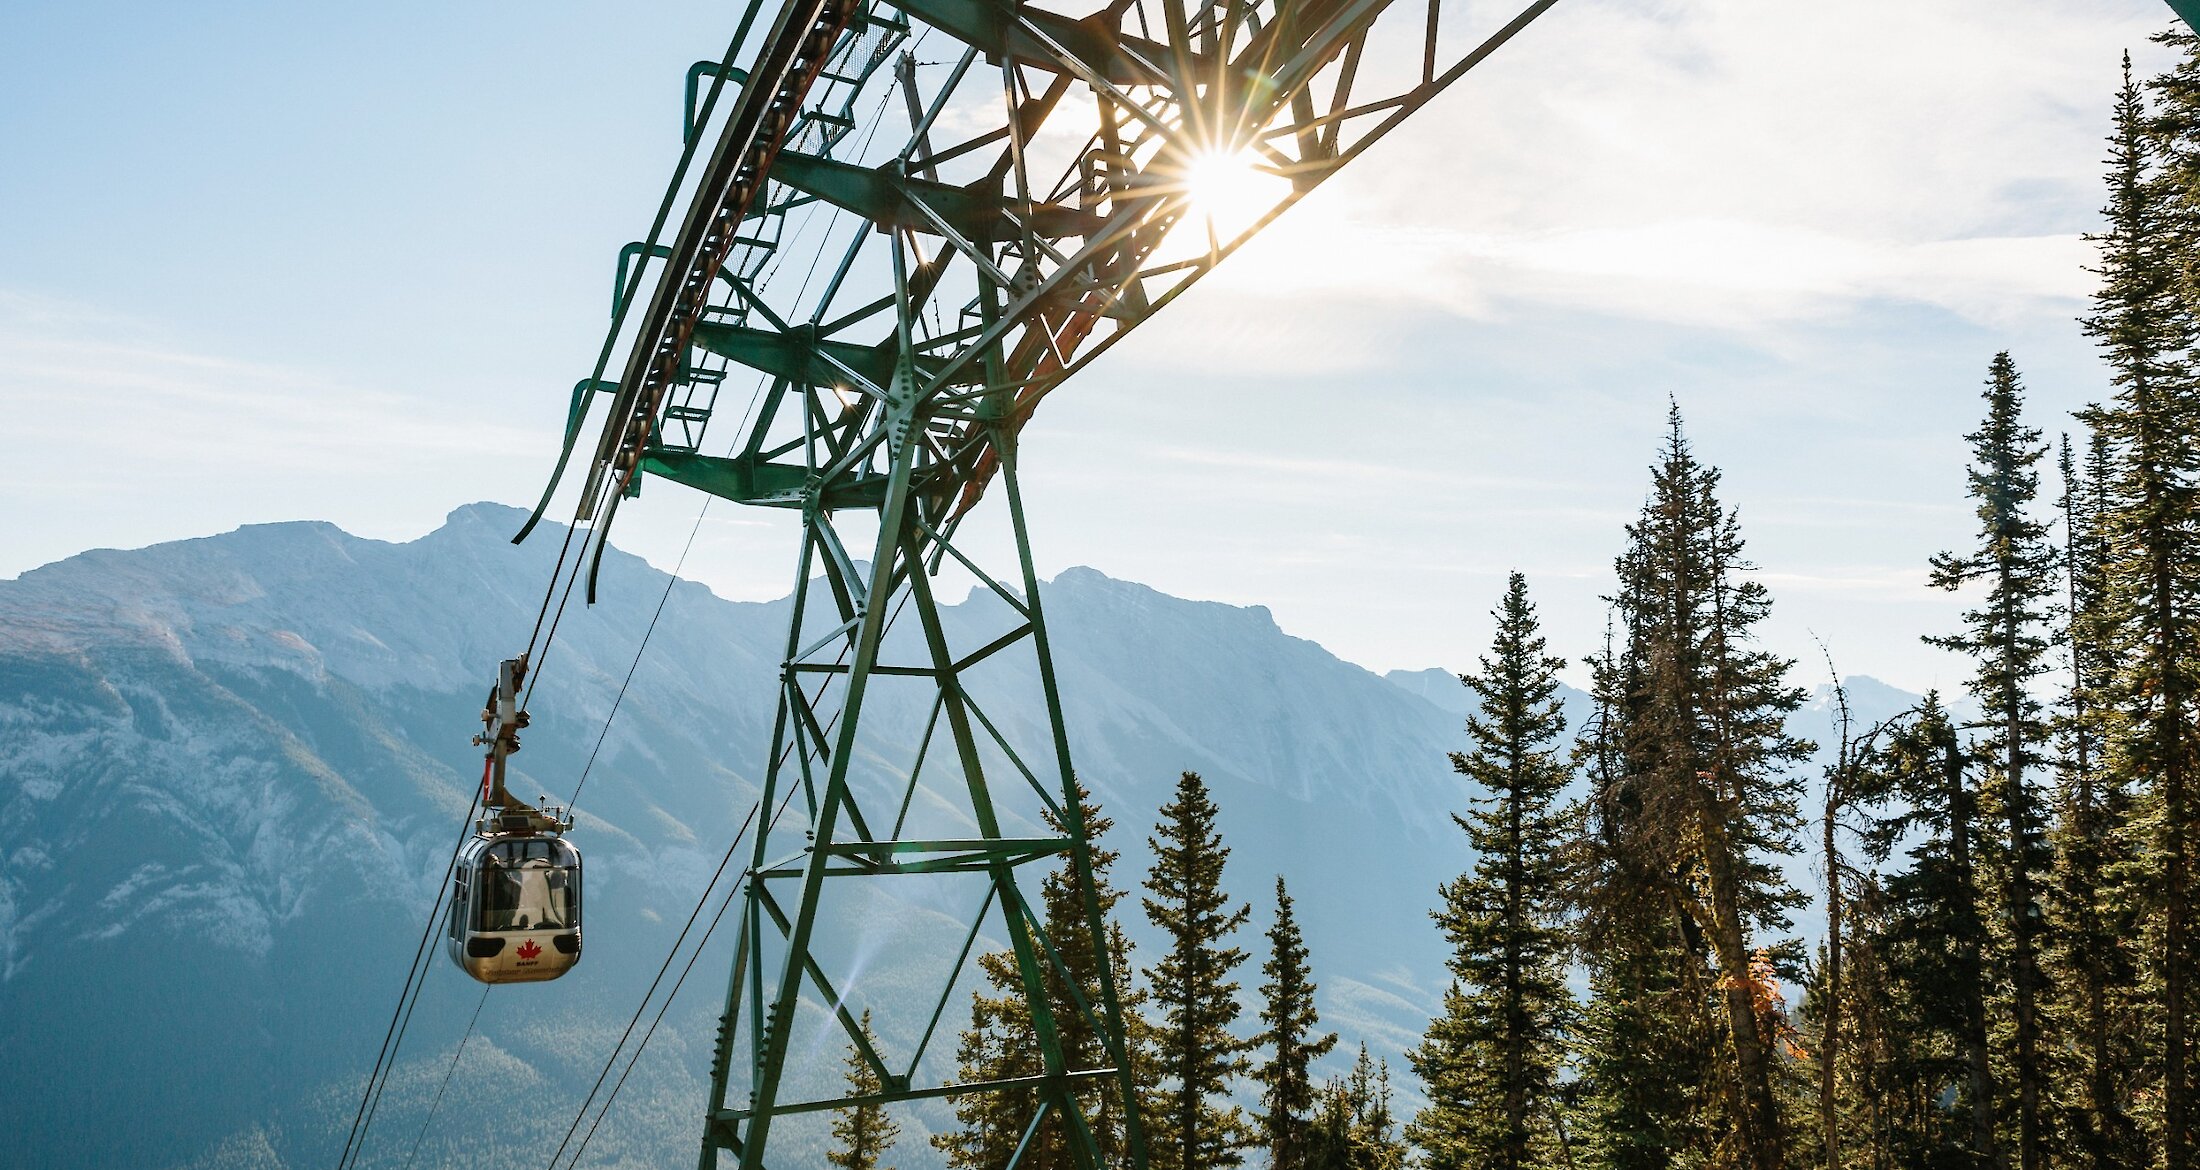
[1231, 191]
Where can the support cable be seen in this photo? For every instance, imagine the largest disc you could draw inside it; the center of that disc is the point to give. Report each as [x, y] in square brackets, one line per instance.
[544, 609]
[666, 1003]
[671, 580]
[385, 1060]
[375, 1109]
[440, 1089]
[662, 1007]
[534, 673]
[647, 995]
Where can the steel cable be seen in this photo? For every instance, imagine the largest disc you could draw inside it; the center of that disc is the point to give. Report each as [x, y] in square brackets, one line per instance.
[538, 645]
[649, 994]
[564, 547]
[436, 1104]
[393, 1037]
[671, 580]
[662, 1007]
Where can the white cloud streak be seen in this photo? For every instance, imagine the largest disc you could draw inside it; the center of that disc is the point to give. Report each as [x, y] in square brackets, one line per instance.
[121, 435]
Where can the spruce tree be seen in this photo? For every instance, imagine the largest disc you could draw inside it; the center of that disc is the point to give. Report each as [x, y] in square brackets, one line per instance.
[2143, 321]
[1651, 1093]
[863, 1134]
[1891, 1101]
[1062, 903]
[1706, 777]
[2007, 638]
[2090, 935]
[1645, 1046]
[1353, 1129]
[1490, 1062]
[1928, 933]
[2091, 931]
[998, 1044]
[1379, 1136]
[1197, 1056]
[1141, 1048]
[1288, 1012]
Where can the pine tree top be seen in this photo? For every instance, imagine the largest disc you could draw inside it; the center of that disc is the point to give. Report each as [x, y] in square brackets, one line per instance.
[2007, 632]
[1517, 720]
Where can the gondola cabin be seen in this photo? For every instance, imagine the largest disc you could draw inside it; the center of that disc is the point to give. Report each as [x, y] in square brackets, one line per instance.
[516, 907]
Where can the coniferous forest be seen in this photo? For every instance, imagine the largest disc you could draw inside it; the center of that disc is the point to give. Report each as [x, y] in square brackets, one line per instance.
[2003, 976]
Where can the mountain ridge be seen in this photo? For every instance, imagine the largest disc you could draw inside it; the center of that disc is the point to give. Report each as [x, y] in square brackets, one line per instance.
[230, 769]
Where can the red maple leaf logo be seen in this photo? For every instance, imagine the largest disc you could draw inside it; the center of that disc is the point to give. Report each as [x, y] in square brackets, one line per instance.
[528, 949]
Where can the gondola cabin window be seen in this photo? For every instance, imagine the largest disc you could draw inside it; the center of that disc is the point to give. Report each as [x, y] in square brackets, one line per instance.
[523, 887]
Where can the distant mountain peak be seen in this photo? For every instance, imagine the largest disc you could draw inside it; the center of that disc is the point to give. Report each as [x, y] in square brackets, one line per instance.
[488, 512]
[1435, 684]
[1091, 581]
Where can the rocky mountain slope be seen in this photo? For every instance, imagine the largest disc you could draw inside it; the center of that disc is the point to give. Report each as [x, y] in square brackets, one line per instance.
[231, 768]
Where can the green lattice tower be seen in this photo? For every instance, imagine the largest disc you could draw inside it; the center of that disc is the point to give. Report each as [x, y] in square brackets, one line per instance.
[989, 214]
[844, 840]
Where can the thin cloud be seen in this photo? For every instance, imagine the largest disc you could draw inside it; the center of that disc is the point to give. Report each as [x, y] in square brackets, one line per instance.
[1358, 471]
[1693, 163]
[168, 409]
[188, 442]
[1888, 583]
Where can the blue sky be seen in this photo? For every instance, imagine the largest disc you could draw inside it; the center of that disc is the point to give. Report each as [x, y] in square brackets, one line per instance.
[269, 262]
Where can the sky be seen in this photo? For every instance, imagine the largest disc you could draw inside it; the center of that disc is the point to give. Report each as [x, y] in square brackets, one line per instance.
[276, 262]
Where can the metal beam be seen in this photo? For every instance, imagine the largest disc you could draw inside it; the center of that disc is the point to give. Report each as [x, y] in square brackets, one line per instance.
[1025, 218]
[890, 199]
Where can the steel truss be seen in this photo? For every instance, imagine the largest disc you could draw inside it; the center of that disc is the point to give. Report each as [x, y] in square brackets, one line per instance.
[1030, 202]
